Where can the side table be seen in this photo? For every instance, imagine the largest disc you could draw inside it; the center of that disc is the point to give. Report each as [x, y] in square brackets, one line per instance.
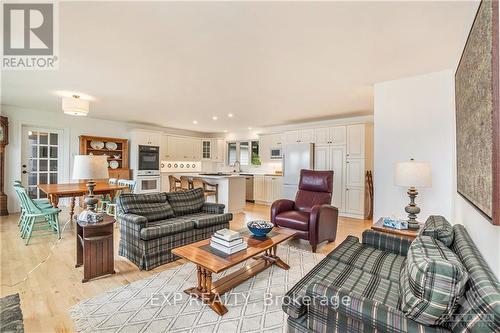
[410, 233]
[94, 248]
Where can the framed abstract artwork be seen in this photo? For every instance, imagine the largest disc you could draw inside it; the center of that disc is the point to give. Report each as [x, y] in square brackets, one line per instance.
[478, 115]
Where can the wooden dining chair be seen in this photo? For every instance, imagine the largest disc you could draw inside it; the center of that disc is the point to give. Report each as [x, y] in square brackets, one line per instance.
[208, 189]
[174, 183]
[186, 183]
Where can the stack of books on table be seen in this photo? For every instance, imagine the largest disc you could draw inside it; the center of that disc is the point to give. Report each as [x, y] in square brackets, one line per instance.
[228, 241]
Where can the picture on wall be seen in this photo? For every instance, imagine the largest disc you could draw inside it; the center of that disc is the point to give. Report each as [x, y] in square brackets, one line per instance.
[477, 115]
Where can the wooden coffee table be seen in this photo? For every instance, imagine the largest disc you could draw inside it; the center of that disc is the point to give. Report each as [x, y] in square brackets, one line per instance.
[209, 260]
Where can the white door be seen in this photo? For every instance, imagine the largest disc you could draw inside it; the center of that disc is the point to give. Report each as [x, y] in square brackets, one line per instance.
[355, 175]
[356, 141]
[337, 156]
[355, 200]
[322, 157]
[42, 161]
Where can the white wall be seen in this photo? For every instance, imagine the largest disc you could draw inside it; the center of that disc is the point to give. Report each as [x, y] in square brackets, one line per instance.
[414, 118]
[72, 128]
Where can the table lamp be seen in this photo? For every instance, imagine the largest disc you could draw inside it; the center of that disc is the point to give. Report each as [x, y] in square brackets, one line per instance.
[89, 168]
[413, 174]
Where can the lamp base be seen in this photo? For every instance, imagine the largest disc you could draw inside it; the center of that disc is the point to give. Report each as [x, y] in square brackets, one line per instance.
[412, 209]
[90, 201]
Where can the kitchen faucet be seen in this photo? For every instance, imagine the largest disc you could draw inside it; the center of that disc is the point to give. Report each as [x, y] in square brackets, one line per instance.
[239, 166]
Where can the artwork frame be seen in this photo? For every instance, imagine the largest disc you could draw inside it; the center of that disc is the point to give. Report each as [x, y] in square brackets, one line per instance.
[478, 114]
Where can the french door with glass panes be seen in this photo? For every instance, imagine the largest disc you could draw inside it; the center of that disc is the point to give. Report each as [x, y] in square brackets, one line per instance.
[41, 159]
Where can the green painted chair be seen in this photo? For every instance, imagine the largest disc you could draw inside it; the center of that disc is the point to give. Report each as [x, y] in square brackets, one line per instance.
[42, 203]
[36, 218]
[111, 207]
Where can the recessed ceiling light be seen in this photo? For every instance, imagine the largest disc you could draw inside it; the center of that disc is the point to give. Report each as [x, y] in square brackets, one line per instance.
[214, 118]
[195, 122]
[249, 128]
[225, 131]
[230, 115]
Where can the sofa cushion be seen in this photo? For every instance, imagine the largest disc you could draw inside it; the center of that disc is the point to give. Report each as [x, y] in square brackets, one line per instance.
[384, 264]
[437, 227]
[165, 227]
[334, 272]
[293, 219]
[204, 220]
[432, 282]
[153, 207]
[186, 202]
[480, 308]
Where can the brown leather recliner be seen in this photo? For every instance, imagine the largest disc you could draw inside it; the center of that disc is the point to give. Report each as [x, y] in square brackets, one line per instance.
[311, 213]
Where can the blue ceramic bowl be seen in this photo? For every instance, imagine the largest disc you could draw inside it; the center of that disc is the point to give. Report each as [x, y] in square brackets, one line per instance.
[260, 228]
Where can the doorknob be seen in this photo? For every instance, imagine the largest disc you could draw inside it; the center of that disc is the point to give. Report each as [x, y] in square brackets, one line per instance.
[24, 171]
[24, 165]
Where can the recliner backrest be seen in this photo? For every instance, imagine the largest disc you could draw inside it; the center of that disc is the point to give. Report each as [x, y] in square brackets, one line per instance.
[315, 187]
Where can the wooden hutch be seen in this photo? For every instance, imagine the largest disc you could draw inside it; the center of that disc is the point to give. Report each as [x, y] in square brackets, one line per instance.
[120, 155]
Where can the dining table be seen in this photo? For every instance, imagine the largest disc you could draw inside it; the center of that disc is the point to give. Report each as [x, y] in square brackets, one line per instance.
[74, 190]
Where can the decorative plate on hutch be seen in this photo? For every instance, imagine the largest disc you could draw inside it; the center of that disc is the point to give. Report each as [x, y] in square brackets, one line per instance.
[114, 164]
[96, 144]
[111, 145]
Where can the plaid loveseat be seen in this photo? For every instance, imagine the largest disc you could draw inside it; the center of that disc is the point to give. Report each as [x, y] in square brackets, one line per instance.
[363, 287]
[151, 225]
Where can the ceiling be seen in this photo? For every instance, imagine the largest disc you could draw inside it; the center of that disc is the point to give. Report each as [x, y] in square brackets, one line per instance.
[168, 64]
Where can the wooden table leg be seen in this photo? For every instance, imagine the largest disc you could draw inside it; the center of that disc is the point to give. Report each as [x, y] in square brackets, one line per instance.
[278, 262]
[54, 200]
[204, 291]
[72, 208]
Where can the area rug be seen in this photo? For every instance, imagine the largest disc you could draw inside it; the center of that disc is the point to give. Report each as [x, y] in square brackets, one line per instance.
[11, 316]
[158, 303]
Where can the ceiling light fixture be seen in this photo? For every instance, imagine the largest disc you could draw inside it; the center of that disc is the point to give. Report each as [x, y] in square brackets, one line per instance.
[214, 118]
[230, 115]
[225, 131]
[195, 122]
[75, 106]
[249, 128]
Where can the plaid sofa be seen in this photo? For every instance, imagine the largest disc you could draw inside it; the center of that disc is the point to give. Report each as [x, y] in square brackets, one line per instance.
[151, 225]
[357, 288]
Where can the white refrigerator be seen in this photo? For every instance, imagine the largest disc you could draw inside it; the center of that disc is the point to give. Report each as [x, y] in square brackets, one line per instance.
[297, 156]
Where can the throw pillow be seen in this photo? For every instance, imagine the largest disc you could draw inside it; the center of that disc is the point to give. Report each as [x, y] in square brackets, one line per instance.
[437, 227]
[432, 282]
[186, 202]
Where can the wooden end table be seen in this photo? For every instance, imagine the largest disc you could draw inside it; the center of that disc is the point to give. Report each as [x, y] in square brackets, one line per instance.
[410, 233]
[94, 248]
[209, 260]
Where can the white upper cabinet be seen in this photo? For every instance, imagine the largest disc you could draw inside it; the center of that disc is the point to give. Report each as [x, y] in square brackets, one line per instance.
[301, 136]
[207, 149]
[356, 141]
[176, 148]
[146, 138]
[165, 148]
[331, 135]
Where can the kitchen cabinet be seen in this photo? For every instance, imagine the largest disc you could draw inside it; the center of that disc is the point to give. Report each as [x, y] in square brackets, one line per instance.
[177, 148]
[331, 135]
[206, 149]
[300, 136]
[267, 189]
[330, 157]
[355, 172]
[356, 141]
[355, 201]
[146, 138]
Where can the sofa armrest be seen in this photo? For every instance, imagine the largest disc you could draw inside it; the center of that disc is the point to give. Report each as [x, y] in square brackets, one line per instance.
[327, 301]
[323, 223]
[132, 219]
[280, 206]
[213, 208]
[386, 242]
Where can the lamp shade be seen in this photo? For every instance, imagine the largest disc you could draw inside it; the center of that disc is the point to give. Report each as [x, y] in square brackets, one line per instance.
[90, 167]
[75, 106]
[413, 174]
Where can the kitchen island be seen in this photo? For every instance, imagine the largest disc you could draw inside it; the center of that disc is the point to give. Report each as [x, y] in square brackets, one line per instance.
[231, 189]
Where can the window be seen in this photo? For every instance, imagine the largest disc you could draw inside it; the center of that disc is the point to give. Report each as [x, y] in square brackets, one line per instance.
[231, 153]
[246, 152]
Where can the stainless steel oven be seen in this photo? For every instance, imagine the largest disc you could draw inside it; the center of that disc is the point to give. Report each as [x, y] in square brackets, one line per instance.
[149, 158]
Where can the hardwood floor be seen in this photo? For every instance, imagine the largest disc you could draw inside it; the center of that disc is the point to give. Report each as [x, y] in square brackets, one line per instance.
[55, 286]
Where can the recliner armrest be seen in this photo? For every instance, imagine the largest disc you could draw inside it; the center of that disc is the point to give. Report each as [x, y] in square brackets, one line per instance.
[280, 206]
[327, 300]
[213, 208]
[386, 242]
[323, 223]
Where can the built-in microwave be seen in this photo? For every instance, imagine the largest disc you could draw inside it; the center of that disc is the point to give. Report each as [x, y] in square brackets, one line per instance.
[276, 154]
